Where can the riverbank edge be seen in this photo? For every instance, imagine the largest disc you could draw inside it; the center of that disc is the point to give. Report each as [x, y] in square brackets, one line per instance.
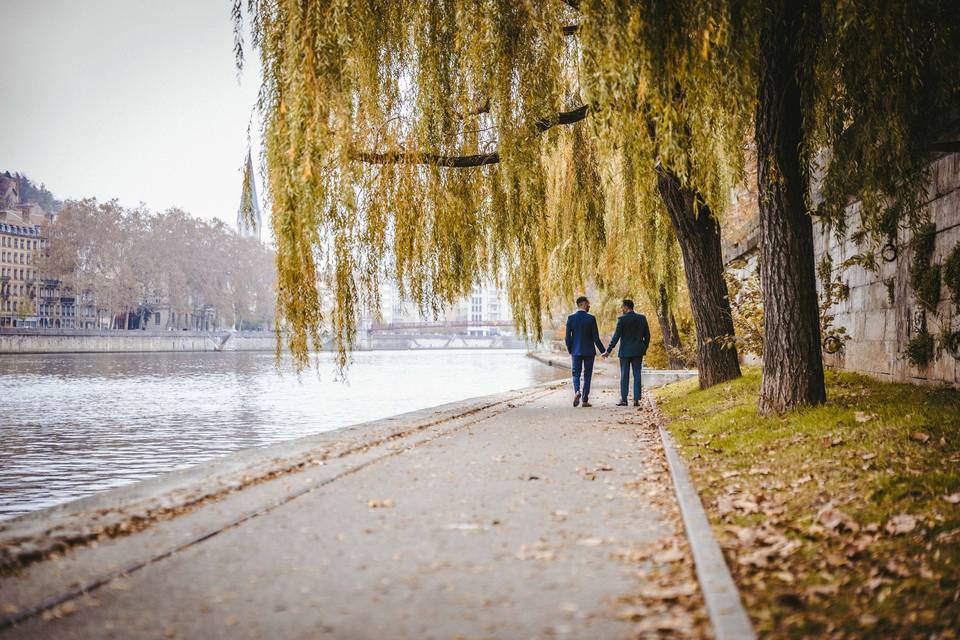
[131, 508]
[134, 341]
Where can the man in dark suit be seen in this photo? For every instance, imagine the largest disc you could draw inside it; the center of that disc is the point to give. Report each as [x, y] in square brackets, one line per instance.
[582, 334]
[633, 333]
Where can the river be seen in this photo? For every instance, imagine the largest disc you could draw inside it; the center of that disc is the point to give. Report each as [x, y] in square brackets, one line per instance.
[75, 424]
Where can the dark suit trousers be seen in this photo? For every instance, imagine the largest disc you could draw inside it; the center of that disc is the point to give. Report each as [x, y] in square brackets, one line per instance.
[582, 364]
[626, 364]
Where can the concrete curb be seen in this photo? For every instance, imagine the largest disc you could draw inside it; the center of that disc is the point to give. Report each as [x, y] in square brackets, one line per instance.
[727, 615]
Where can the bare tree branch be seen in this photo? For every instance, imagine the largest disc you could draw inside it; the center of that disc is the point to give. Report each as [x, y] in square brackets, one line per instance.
[947, 146]
[465, 161]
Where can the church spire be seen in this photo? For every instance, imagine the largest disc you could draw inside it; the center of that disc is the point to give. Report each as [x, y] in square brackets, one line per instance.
[248, 216]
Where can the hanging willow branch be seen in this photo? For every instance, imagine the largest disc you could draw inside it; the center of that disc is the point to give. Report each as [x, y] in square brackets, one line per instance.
[368, 103]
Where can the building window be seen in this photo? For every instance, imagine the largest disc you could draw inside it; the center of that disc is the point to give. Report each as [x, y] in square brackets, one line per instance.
[476, 309]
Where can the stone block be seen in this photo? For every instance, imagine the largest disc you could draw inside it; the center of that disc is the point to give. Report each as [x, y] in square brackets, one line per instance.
[875, 325]
[867, 357]
[875, 296]
[858, 298]
[945, 210]
[943, 369]
[945, 174]
[890, 329]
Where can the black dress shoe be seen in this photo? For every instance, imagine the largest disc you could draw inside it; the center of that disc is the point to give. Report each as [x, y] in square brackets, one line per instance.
[622, 403]
[636, 403]
[587, 404]
[576, 400]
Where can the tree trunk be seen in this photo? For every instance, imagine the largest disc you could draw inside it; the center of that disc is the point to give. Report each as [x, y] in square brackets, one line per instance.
[792, 360]
[671, 338]
[675, 338]
[699, 236]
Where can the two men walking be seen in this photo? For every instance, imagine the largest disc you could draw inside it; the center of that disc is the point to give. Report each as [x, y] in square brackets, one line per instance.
[582, 333]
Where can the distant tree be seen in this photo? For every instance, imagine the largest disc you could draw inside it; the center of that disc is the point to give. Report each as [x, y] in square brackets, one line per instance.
[131, 260]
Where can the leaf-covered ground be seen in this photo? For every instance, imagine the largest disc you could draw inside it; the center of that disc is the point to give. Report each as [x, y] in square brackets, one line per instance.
[838, 521]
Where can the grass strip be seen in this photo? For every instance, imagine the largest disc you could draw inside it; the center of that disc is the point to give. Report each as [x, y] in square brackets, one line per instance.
[837, 521]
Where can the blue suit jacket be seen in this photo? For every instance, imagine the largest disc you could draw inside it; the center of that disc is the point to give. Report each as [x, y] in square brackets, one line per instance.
[633, 333]
[582, 334]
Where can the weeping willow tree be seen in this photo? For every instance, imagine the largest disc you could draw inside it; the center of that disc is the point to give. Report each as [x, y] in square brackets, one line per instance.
[440, 140]
[436, 142]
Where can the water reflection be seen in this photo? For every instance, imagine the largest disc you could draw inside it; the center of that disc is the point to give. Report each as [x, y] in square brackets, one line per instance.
[75, 424]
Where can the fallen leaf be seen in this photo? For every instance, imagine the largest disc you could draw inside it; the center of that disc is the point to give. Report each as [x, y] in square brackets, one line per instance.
[785, 576]
[823, 590]
[631, 613]
[860, 416]
[758, 558]
[903, 523]
[919, 436]
[746, 505]
[669, 555]
[832, 518]
[590, 542]
[380, 504]
[868, 456]
[724, 505]
[897, 569]
[953, 498]
[669, 593]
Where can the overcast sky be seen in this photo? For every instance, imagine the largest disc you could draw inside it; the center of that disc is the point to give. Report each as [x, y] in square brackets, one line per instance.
[129, 99]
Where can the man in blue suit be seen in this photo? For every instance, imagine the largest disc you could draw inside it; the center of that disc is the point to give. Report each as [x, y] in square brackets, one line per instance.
[582, 334]
[633, 333]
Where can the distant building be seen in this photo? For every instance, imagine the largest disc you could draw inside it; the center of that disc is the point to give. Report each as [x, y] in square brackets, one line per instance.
[21, 240]
[249, 222]
[27, 299]
[485, 311]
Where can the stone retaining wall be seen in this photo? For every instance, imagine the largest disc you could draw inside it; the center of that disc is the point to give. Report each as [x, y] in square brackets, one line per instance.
[879, 329]
[66, 341]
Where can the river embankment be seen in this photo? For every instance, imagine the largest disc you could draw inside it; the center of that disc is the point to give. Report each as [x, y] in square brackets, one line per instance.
[142, 341]
[26, 340]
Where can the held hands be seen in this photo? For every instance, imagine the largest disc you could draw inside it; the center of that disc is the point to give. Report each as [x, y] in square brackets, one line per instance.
[605, 355]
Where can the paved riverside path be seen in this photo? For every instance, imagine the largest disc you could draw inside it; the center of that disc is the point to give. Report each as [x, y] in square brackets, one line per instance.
[524, 518]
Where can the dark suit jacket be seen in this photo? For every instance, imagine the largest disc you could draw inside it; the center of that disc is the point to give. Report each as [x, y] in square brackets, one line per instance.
[582, 334]
[633, 333]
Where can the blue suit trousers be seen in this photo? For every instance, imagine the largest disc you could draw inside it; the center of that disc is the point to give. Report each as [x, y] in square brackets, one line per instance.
[584, 365]
[626, 364]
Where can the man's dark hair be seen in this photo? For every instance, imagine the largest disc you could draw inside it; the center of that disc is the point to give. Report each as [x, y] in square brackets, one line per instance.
[581, 300]
[628, 303]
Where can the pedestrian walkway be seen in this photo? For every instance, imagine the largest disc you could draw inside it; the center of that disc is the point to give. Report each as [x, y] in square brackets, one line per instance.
[523, 518]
